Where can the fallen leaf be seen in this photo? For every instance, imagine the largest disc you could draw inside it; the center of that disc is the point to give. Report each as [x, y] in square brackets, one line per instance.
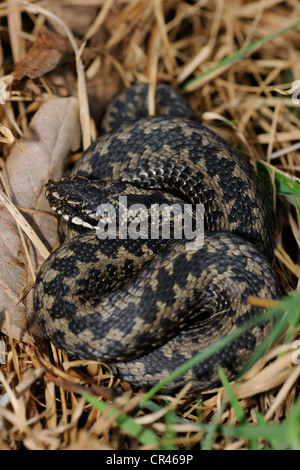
[39, 155]
[42, 57]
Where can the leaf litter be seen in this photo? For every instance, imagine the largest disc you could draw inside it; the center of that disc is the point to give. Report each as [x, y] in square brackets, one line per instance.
[38, 155]
[60, 69]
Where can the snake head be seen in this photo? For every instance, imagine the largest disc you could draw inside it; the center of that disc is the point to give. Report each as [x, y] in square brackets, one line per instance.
[76, 199]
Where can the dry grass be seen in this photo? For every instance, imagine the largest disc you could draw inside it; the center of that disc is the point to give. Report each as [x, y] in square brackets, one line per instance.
[116, 43]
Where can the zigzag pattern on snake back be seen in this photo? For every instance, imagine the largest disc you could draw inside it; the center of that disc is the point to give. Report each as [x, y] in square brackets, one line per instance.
[145, 306]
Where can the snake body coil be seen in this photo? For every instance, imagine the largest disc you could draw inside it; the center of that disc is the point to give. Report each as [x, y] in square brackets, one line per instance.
[147, 305]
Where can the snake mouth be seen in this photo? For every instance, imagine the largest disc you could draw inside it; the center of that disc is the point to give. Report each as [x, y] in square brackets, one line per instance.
[78, 221]
[76, 200]
[70, 211]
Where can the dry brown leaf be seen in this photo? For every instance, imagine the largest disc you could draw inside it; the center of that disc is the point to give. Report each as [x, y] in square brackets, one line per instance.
[42, 57]
[39, 155]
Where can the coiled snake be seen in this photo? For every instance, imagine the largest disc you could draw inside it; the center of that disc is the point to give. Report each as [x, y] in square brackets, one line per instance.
[147, 305]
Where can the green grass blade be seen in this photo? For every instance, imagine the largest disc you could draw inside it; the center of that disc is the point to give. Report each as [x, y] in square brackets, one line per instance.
[239, 412]
[277, 180]
[242, 53]
[284, 435]
[255, 431]
[290, 319]
[170, 434]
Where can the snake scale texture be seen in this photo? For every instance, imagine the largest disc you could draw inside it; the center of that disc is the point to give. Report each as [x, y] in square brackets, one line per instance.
[145, 306]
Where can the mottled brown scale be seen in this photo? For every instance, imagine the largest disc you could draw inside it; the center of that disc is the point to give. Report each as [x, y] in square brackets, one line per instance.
[147, 306]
